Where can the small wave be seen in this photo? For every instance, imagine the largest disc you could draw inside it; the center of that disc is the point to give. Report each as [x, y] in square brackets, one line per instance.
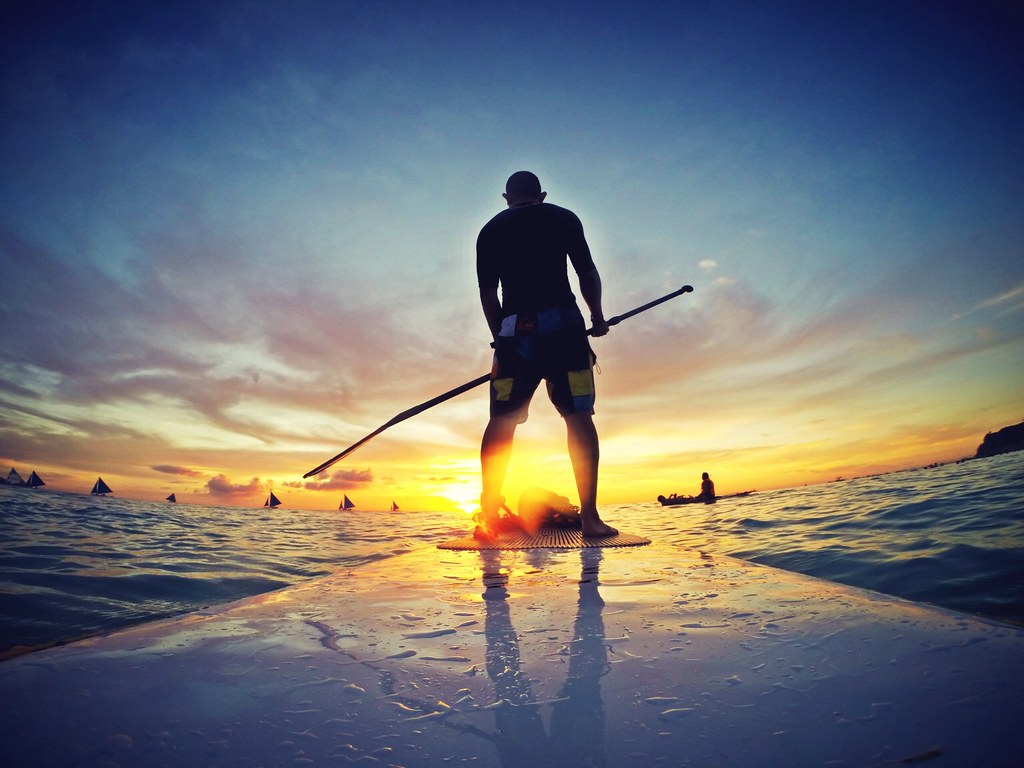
[752, 522]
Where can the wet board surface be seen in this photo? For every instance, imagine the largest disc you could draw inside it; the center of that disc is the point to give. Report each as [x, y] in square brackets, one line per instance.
[598, 656]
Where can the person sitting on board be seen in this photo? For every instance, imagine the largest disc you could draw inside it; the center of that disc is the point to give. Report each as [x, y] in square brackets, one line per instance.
[707, 488]
[539, 508]
[538, 333]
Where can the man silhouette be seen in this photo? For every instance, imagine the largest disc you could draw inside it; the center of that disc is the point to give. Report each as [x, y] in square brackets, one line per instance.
[539, 333]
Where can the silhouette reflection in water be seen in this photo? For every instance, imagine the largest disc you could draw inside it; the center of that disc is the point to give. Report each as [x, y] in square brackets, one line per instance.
[577, 714]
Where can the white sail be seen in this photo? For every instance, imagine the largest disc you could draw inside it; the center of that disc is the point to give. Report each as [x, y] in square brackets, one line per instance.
[13, 478]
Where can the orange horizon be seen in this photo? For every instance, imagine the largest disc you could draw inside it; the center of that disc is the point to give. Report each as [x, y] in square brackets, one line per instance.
[457, 492]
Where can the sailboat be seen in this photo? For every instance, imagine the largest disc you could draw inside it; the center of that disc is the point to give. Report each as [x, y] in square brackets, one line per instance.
[34, 480]
[346, 503]
[173, 499]
[394, 507]
[101, 488]
[13, 478]
[272, 500]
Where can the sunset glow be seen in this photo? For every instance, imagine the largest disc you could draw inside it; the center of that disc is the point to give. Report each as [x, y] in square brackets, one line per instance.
[238, 237]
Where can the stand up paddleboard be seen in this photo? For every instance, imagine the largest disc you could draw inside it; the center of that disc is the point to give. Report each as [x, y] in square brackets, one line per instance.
[519, 659]
[545, 538]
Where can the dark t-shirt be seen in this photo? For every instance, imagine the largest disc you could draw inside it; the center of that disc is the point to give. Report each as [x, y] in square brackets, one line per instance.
[524, 250]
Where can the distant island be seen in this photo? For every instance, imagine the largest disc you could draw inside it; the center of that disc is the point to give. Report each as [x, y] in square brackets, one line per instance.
[1006, 440]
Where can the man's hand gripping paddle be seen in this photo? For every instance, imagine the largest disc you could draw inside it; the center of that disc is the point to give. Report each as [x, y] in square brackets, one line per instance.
[408, 414]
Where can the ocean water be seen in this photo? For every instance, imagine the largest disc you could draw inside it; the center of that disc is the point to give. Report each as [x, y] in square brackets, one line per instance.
[73, 566]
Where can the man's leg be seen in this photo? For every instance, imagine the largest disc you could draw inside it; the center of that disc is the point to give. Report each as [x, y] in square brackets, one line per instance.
[495, 450]
[585, 453]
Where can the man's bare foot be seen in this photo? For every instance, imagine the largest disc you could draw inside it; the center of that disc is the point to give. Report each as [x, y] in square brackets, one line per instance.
[594, 528]
[488, 517]
[487, 526]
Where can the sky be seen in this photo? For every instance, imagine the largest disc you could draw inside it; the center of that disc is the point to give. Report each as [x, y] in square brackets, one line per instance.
[236, 237]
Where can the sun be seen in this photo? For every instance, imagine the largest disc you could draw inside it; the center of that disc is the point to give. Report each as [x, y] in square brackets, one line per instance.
[461, 485]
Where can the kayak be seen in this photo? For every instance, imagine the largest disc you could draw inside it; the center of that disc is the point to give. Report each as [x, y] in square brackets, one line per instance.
[673, 500]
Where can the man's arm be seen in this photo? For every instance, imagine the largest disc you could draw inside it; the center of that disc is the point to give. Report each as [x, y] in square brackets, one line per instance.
[590, 288]
[492, 309]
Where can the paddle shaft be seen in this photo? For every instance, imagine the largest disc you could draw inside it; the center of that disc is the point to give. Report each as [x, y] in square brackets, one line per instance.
[417, 409]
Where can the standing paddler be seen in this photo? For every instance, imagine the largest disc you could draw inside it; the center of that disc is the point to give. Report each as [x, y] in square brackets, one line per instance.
[539, 333]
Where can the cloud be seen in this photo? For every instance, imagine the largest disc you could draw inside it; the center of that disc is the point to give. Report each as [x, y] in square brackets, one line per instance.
[1014, 297]
[341, 480]
[222, 486]
[89, 336]
[170, 469]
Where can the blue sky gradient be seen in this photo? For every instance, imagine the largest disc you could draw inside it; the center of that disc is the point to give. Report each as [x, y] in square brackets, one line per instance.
[237, 236]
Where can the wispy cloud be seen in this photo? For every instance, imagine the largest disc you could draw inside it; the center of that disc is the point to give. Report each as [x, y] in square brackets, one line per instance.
[169, 469]
[222, 487]
[1008, 301]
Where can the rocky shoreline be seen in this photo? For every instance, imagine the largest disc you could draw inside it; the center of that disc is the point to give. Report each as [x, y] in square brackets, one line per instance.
[1006, 440]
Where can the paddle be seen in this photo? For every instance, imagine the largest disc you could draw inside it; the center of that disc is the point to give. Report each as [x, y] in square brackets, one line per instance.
[408, 414]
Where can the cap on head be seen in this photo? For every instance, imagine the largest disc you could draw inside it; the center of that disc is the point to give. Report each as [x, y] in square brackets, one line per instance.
[522, 185]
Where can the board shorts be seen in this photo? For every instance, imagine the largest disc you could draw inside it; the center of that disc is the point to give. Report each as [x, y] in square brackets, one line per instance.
[549, 345]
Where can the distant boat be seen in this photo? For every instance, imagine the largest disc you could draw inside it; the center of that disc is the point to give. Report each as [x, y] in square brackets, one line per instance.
[173, 499]
[101, 488]
[34, 480]
[346, 503]
[394, 507]
[272, 500]
[13, 478]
